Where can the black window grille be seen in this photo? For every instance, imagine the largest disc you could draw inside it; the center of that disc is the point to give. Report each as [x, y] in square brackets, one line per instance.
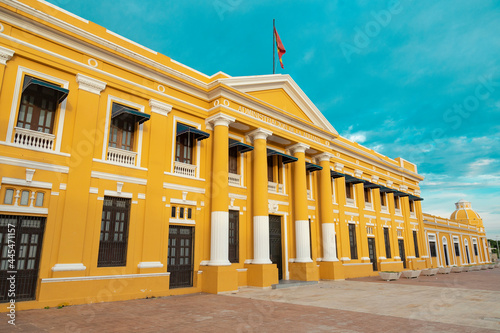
[432, 247]
[114, 232]
[415, 243]
[234, 217]
[352, 241]
[475, 250]
[387, 240]
[457, 249]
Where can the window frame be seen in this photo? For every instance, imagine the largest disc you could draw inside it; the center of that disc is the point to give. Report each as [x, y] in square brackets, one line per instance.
[110, 258]
[138, 134]
[196, 147]
[124, 119]
[59, 114]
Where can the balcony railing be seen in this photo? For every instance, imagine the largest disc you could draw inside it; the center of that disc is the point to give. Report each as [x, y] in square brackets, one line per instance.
[368, 205]
[234, 179]
[185, 169]
[309, 194]
[121, 156]
[33, 139]
[274, 187]
[397, 211]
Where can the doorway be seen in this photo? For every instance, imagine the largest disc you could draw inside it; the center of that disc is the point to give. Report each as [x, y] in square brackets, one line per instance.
[180, 256]
[26, 232]
[401, 244]
[372, 253]
[275, 249]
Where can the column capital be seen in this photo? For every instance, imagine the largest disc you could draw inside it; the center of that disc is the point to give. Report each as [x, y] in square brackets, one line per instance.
[298, 148]
[160, 107]
[338, 166]
[5, 55]
[323, 157]
[259, 133]
[220, 119]
[90, 84]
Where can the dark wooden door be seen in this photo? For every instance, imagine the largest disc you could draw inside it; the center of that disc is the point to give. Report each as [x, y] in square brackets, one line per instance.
[372, 253]
[21, 245]
[275, 243]
[180, 256]
[401, 244]
[445, 250]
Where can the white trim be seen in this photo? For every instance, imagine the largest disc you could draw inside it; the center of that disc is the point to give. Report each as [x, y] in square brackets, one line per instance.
[181, 221]
[5, 54]
[93, 190]
[60, 112]
[141, 196]
[160, 107]
[62, 186]
[54, 193]
[183, 202]
[23, 209]
[63, 11]
[351, 214]
[361, 263]
[183, 188]
[90, 84]
[68, 267]
[103, 277]
[241, 269]
[109, 193]
[130, 41]
[22, 182]
[126, 179]
[150, 264]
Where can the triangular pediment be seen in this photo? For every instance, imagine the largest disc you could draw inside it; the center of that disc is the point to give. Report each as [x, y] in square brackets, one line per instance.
[283, 93]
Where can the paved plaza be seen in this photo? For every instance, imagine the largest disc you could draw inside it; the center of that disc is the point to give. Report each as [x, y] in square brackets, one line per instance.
[458, 302]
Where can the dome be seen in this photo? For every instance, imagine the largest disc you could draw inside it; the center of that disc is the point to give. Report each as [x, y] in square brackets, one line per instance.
[465, 214]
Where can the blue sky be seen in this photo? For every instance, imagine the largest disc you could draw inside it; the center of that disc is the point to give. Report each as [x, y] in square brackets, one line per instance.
[415, 79]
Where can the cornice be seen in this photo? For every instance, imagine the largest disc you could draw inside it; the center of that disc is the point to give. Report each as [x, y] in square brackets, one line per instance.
[174, 78]
[90, 84]
[160, 107]
[5, 55]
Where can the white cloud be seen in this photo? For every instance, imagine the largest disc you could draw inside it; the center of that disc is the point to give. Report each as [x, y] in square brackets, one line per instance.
[356, 137]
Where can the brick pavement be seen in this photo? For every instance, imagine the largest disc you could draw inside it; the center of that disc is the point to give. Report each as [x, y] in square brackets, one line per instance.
[340, 306]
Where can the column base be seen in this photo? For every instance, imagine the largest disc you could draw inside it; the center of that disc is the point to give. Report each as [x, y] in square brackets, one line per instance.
[331, 270]
[304, 271]
[262, 275]
[218, 279]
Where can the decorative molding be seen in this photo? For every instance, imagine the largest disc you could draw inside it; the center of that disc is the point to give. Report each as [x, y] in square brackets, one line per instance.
[299, 147]
[23, 209]
[93, 190]
[5, 55]
[141, 196]
[150, 264]
[259, 133]
[126, 179]
[103, 277]
[323, 157]
[119, 186]
[183, 188]
[22, 182]
[220, 119]
[90, 84]
[338, 166]
[108, 193]
[374, 179]
[68, 267]
[62, 186]
[160, 107]
[35, 165]
[358, 173]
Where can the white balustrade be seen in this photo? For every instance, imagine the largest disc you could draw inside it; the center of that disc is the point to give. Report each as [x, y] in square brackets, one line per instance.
[33, 139]
[121, 156]
[185, 169]
[274, 187]
[309, 194]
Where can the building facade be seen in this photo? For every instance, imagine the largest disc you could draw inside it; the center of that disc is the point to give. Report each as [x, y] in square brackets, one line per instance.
[125, 174]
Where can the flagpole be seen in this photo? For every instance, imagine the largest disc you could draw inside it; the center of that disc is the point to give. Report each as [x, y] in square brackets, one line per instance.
[274, 43]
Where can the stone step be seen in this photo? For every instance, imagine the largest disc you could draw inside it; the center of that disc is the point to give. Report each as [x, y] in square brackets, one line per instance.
[292, 283]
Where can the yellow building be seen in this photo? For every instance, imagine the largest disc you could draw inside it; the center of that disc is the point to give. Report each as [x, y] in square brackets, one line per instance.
[457, 241]
[125, 174]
